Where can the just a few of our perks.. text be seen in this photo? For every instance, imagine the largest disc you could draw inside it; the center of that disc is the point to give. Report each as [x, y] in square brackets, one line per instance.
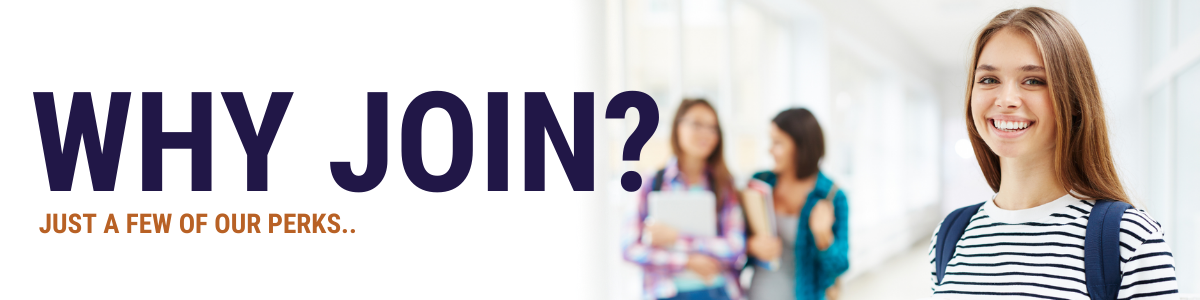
[189, 223]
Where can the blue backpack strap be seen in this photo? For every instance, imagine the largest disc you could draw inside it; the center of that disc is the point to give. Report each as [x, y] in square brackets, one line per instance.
[948, 234]
[656, 184]
[1102, 249]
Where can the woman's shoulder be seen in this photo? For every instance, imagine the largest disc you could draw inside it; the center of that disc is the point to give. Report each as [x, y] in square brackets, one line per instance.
[825, 183]
[763, 182]
[1137, 228]
[764, 176]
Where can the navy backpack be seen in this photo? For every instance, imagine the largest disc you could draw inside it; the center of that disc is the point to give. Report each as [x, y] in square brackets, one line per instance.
[1101, 246]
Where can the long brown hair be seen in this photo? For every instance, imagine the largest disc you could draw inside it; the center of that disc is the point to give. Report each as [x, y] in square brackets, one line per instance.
[722, 180]
[1083, 161]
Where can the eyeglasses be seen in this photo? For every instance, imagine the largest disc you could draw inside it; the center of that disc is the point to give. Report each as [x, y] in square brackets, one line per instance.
[699, 126]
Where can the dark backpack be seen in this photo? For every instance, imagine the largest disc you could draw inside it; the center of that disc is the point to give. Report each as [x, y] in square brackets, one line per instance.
[1101, 246]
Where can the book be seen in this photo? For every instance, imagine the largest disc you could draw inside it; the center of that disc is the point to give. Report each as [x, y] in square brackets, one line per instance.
[760, 216]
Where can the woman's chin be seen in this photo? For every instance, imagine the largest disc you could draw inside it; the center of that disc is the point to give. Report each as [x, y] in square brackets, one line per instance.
[1004, 149]
[1012, 150]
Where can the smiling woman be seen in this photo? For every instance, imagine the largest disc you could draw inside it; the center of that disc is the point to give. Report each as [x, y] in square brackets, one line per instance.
[1008, 97]
[1036, 121]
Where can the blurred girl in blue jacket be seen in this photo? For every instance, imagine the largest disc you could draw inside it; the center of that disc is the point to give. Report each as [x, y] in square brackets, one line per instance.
[810, 240]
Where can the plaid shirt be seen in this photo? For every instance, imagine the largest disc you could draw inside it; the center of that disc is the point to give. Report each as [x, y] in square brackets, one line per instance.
[660, 265]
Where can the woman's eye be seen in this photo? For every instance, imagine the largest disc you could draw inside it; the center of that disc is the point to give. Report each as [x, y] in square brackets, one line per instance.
[1032, 81]
[988, 80]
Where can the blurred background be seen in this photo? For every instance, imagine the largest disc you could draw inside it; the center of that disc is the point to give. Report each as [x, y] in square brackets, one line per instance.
[887, 81]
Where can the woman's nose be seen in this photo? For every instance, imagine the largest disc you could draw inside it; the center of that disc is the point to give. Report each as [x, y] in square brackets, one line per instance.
[1010, 97]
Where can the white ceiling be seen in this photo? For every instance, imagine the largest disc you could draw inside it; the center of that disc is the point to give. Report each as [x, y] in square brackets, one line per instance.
[943, 29]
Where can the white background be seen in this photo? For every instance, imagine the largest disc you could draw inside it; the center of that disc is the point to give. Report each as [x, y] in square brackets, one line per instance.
[408, 243]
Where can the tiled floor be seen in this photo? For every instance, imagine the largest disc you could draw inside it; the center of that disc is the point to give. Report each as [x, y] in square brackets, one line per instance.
[904, 277]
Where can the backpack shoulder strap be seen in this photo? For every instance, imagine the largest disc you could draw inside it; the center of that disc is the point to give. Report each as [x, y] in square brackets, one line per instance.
[833, 189]
[656, 184]
[948, 234]
[1102, 250]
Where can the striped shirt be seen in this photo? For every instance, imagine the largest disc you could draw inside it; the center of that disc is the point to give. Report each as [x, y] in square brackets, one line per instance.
[1037, 253]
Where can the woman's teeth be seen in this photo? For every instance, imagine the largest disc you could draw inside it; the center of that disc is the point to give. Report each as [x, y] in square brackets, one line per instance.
[1010, 125]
